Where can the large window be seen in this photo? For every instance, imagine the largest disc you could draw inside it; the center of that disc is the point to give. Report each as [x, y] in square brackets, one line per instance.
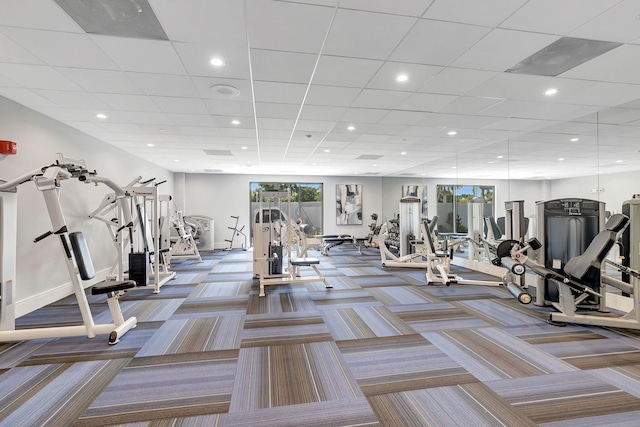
[452, 206]
[306, 201]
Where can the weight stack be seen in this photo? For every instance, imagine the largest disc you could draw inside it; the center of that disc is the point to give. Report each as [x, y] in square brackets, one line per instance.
[275, 252]
[139, 268]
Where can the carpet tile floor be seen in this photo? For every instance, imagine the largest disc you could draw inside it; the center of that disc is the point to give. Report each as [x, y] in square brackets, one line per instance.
[381, 348]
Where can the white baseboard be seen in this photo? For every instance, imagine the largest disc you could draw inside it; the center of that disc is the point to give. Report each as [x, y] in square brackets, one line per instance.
[34, 302]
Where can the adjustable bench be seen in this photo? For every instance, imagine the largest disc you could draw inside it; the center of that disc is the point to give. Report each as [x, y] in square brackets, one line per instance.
[293, 275]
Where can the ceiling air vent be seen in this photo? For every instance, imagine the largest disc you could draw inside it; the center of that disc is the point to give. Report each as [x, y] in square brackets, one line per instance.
[122, 18]
[218, 152]
[213, 170]
[224, 91]
[368, 157]
[371, 173]
[562, 55]
[407, 174]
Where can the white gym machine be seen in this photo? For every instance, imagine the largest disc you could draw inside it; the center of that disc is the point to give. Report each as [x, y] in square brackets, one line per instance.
[405, 237]
[275, 237]
[47, 180]
[184, 245]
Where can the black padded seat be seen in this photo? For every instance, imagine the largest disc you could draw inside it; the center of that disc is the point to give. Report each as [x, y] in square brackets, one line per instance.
[304, 261]
[112, 286]
[586, 267]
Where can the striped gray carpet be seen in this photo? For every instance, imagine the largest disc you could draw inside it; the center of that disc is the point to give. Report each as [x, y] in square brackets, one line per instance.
[381, 348]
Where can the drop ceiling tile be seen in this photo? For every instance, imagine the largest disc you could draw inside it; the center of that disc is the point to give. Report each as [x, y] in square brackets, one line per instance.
[68, 99]
[458, 121]
[385, 129]
[128, 102]
[468, 105]
[605, 94]
[374, 98]
[12, 52]
[406, 7]
[196, 59]
[118, 127]
[164, 84]
[314, 126]
[507, 85]
[422, 131]
[202, 20]
[49, 17]
[619, 65]
[64, 114]
[319, 112]
[344, 71]
[61, 49]
[37, 77]
[501, 49]
[180, 105]
[402, 117]
[276, 124]
[26, 97]
[207, 88]
[276, 110]
[188, 120]
[456, 81]
[556, 16]
[332, 96]
[287, 26]
[103, 81]
[619, 116]
[364, 115]
[488, 13]
[365, 34]
[287, 93]
[520, 124]
[618, 24]
[425, 102]
[151, 56]
[277, 66]
[229, 108]
[417, 75]
[437, 42]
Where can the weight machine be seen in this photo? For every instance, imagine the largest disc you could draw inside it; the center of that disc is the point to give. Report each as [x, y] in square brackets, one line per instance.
[403, 236]
[581, 282]
[184, 245]
[78, 261]
[274, 239]
[126, 210]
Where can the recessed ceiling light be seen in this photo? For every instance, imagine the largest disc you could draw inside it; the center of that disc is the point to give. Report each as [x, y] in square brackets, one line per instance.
[327, 151]
[574, 139]
[216, 62]
[150, 145]
[561, 158]
[618, 161]
[101, 116]
[403, 153]
[491, 162]
[351, 128]
[243, 148]
[402, 78]
[551, 92]
[500, 157]
[235, 122]
[176, 160]
[452, 132]
[375, 165]
[453, 167]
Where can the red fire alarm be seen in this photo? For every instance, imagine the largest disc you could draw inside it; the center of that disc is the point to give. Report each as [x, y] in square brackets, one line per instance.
[8, 147]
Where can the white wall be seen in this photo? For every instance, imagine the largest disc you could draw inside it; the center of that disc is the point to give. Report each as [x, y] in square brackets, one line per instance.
[41, 276]
[617, 188]
[220, 196]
